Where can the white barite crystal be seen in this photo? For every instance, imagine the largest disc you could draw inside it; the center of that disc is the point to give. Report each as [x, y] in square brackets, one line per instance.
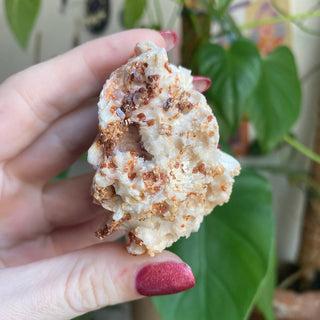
[158, 167]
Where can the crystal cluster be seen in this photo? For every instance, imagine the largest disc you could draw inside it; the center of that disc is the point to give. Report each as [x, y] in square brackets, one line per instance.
[159, 170]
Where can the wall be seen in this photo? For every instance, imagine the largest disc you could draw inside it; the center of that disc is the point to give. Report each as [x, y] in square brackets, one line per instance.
[56, 30]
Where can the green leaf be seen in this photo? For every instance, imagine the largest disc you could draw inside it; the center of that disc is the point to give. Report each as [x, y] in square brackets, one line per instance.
[21, 16]
[229, 256]
[178, 1]
[235, 73]
[266, 293]
[133, 10]
[223, 5]
[87, 316]
[275, 105]
[62, 175]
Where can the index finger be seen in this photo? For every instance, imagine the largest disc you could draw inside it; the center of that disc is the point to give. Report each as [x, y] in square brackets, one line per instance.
[34, 98]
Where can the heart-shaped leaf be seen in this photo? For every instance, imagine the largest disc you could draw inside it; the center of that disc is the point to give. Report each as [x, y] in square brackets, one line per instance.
[275, 105]
[235, 73]
[21, 16]
[229, 256]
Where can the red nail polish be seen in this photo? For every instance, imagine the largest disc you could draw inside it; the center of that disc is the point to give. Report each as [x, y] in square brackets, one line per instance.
[170, 37]
[164, 278]
[201, 84]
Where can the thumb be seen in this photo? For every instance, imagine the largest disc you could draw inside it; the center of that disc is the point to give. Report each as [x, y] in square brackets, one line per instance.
[66, 286]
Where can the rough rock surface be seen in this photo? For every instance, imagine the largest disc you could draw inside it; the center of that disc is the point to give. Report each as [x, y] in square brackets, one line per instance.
[159, 170]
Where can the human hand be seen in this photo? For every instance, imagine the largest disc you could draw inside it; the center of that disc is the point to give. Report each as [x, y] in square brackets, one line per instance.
[51, 264]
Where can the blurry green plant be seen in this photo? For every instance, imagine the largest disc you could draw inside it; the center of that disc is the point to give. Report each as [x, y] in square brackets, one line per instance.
[21, 16]
[233, 254]
[230, 256]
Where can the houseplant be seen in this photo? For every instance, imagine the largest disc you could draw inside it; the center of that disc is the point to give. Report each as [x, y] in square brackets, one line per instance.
[232, 255]
[247, 85]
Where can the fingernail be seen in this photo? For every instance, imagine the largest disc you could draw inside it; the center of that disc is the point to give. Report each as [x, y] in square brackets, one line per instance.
[201, 84]
[164, 278]
[170, 37]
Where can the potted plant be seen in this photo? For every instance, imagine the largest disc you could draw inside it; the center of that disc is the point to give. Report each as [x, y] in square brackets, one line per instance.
[255, 84]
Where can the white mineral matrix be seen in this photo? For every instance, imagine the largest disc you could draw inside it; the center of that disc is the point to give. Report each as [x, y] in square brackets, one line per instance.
[159, 170]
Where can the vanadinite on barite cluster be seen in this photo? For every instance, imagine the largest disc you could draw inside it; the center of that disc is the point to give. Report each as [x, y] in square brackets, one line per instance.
[158, 167]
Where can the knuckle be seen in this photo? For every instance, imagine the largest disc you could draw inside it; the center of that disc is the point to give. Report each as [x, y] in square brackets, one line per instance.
[84, 290]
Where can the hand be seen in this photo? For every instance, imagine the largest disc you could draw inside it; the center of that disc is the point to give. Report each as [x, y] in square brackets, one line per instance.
[52, 266]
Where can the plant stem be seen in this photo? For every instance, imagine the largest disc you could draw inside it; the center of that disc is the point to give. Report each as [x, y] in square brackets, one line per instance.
[302, 148]
[196, 30]
[233, 26]
[264, 22]
[297, 23]
[294, 176]
[286, 283]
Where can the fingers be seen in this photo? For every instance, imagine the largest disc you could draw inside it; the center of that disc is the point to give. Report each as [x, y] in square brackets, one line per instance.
[66, 286]
[59, 146]
[32, 212]
[68, 239]
[39, 95]
[201, 84]
[68, 202]
[65, 141]
[170, 38]
[60, 241]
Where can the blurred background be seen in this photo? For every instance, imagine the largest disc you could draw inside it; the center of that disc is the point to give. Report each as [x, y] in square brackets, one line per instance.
[54, 27]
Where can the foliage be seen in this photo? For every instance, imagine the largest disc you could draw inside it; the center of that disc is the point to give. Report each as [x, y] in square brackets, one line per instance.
[133, 11]
[229, 256]
[267, 90]
[235, 72]
[87, 316]
[223, 5]
[275, 105]
[265, 294]
[21, 16]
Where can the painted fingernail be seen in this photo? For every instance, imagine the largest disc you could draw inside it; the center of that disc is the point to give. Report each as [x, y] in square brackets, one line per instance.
[164, 278]
[201, 83]
[170, 37]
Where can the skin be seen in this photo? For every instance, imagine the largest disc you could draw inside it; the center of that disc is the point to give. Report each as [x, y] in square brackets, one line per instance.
[51, 265]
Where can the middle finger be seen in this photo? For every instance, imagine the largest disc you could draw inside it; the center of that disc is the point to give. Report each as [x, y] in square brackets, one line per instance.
[58, 147]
